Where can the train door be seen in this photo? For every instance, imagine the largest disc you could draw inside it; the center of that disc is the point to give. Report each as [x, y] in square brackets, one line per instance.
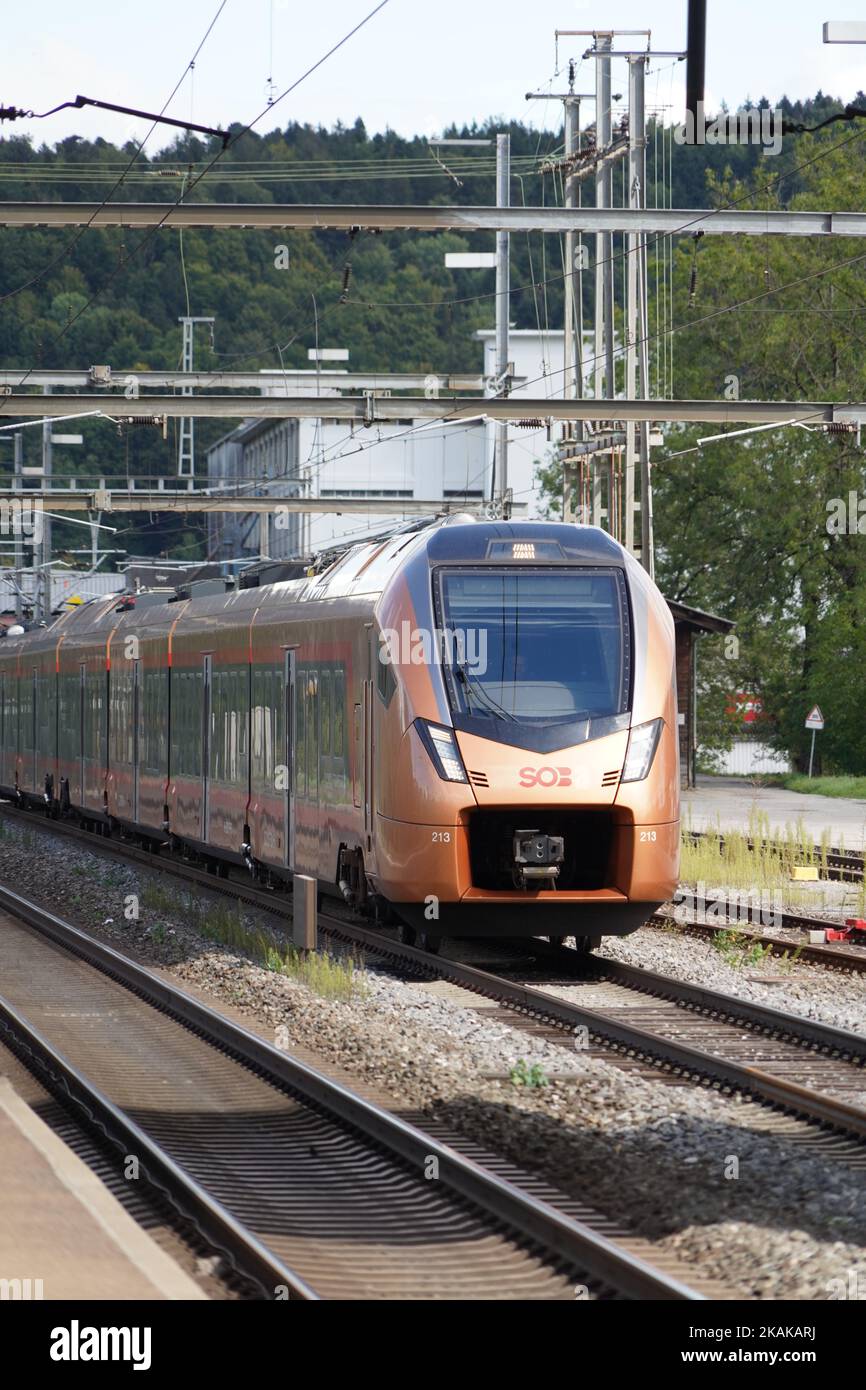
[312, 728]
[32, 732]
[357, 755]
[136, 735]
[3, 731]
[368, 746]
[82, 707]
[288, 756]
[207, 698]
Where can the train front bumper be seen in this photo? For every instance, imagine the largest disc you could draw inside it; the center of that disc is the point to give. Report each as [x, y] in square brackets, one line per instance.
[611, 888]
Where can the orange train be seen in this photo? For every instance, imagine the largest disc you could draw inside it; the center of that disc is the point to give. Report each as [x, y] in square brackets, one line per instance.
[470, 726]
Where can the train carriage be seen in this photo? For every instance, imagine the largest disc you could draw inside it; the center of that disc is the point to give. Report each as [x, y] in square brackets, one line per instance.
[471, 725]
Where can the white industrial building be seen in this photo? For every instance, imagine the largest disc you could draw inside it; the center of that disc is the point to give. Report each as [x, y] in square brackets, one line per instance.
[405, 459]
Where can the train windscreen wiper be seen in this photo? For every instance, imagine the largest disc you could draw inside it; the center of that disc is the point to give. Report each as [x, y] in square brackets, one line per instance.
[475, 689]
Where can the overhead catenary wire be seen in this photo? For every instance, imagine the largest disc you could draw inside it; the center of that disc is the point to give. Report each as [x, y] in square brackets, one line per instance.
[665, 238]
[34, 280]
[233, 140]
[668, 236]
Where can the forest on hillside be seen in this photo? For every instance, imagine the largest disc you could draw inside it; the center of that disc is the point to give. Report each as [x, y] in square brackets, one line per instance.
[741, 526]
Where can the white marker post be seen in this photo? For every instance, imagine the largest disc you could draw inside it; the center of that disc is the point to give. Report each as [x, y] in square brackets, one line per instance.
[814, 721]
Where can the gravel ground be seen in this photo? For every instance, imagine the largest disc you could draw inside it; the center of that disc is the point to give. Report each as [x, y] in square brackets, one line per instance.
[828, 997]
[694, 1171]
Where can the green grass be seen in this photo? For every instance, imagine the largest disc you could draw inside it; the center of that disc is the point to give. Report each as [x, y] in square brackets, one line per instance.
[332, 977]
[854, 787]
[737, 949]
[723, 858]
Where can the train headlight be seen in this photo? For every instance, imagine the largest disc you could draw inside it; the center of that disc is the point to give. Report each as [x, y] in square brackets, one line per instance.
[444, 753]
[642, 744]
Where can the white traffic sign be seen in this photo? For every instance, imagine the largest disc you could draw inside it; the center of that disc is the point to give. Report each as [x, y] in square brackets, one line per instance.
[814, 719]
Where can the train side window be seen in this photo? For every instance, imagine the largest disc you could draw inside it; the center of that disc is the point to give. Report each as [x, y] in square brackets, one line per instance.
[189, 740]
[243, 689]
[47, 719]
[175, 697]
[357, 755]
[272, 686]
[102, 711]
[257, 727]
[340, 722]
[217, 726]
[26, 714]
[386, 682]
[152, 721]
[280, 752]
[301, 731]
[312, 727]
[325, 713]
[233, 728]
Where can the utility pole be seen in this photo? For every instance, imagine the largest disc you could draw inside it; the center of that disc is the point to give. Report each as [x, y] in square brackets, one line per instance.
[503, 291]
[16, 522]
[186, 437]
[573, 335]
[572, 286]
[604, 368]
[41, 576]
[637, 346]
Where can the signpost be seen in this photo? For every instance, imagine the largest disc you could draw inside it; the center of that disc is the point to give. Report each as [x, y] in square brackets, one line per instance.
[814, 721]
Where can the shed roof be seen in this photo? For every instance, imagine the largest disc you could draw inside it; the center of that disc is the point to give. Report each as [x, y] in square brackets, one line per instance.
[698, 620]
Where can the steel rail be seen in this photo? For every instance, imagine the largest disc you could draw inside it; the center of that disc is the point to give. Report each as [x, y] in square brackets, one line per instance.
[527, 999]
[722, 1005]
[538, 1003]
[524, 1214]
[248, 1254]
[830, 956]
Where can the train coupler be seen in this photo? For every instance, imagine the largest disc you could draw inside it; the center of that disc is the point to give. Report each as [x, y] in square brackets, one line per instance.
[537, 856]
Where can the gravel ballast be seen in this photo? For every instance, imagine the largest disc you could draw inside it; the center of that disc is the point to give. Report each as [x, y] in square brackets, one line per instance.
[694, 1171]
[828, 997]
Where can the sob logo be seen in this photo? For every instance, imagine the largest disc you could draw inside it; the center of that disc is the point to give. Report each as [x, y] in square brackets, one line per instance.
[545, 777]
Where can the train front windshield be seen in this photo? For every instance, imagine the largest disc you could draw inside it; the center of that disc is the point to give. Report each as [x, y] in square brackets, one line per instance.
[535, 646]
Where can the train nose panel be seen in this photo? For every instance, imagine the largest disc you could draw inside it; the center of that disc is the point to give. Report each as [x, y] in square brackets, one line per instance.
[587, 774]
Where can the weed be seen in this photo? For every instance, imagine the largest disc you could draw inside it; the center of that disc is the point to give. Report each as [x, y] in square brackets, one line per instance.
[154, 896]
[756, 954]
[729, 944]
[522, 1074]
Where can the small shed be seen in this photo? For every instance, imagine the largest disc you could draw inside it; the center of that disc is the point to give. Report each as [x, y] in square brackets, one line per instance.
[689, 624]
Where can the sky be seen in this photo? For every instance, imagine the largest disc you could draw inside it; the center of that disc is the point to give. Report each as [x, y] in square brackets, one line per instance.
[415, 67]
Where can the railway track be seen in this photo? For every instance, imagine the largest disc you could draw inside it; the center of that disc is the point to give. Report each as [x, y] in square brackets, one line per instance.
[839, 865]
[661, 1026]
[681, 1033]
[309, 1189]
[830, 955]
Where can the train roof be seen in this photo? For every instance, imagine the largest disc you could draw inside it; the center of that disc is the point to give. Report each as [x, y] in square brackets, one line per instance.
[362, 570]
